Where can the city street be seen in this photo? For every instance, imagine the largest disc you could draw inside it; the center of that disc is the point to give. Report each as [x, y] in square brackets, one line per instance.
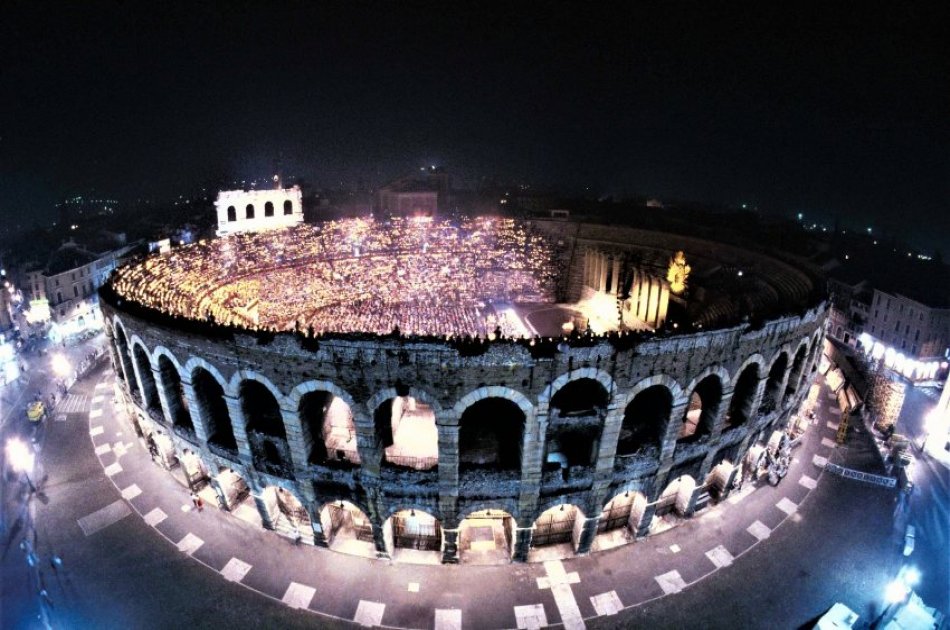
[818, 539]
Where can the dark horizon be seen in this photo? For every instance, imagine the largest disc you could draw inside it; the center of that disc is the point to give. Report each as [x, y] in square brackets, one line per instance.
[819, 111]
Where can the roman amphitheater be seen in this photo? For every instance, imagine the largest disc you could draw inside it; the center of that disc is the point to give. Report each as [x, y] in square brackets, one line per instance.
[480, 390]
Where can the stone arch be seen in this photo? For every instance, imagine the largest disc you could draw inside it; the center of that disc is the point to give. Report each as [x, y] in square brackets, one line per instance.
[623, 510]
[232, 213]
[508, 504]
[657, 379]
[249, 211]
[406, 430]
[556, 524]
[241, 376]
[172, 389]
[125, 356]
[412, 528]
[346, 526]
[586, 372]
[745, 386]
[495, 391]
[288, 207]
[329, 433]
[725, 379]
[197, 362]
[774, 387]
[756, 358]
[259, 401]
[491, 432]
[142, 364]
[797, 369]
[210, 391]
[646, 417]
[163, 351]
[706, 393]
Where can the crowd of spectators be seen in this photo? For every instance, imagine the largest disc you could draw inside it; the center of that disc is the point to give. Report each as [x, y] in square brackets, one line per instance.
[419, 276]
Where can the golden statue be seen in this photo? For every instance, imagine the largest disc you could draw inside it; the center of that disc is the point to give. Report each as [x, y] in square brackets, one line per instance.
[678, 272]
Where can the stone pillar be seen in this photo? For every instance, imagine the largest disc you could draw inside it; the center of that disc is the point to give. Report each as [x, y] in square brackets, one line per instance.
[262, 509]
[143, 398]
[447, 425]
[219, 492]
[586, 274]
[719, 422]
[532, 456]
[239, 426]
[523, 537]
[450, 547]
[299, 457]
[194, 409]
[757, 399]
[673, 427]
[163, 396]
[587, 535]
[615, 277]
[367, 445]
[602, 279]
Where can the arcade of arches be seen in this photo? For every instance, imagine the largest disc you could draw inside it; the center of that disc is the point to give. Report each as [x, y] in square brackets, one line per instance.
[248, 417]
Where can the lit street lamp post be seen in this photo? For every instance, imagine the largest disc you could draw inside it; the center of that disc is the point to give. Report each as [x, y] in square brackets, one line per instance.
[21, 458]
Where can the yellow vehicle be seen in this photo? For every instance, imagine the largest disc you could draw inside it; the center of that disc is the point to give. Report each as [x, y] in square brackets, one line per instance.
[35, 411]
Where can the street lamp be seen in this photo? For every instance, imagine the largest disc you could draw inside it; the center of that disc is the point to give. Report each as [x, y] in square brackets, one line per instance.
[21, 458]
[61, 365]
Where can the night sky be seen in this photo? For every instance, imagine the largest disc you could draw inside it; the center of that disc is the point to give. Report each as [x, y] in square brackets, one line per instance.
[819, 110]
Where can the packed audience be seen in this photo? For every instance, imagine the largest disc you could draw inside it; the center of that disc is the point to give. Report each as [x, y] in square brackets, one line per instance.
[420, 276]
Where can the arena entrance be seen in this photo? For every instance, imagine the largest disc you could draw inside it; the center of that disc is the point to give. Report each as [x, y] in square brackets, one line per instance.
[553, 533]
[213, 409]
[413, 536]
[491, 432]
[619, 521]
[487, 537]
[703, 408]
[644, 421]
[673, 504]
[328, 429]
[236, 496]
[740, 408]
[407, 430]
[347, 529]
[288, 516]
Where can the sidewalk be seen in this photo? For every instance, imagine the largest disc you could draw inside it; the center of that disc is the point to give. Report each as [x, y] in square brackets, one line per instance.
[380, 592]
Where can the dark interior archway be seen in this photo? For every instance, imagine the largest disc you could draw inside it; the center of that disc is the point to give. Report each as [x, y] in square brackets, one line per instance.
[174, 393]
[269, 209]
[743, 397]
[795, 375]
[232, 213]
[265, 424]
[645, 420]
[149, 391]
[491, 431]
[288, 207]
[773, 386]
[702, 410]
[125, 358]
[210, 399]
[580, 397]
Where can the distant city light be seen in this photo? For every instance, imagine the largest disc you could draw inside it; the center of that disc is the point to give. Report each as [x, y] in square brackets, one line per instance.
[800, 216]
[61, 365]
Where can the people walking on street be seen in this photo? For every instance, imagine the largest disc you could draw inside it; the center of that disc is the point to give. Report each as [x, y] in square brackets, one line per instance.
[199, 504]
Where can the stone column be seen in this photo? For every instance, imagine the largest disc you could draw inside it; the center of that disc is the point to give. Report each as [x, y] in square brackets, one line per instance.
[532, 456]
[219, 492]
[719, 422]
[198, 419]
[450, 547]
[143, 398]
[586, 274]
[602, 280]
[299, 457]
[446, 423]
[367, 445]
[523, 537]
[262, 509]
[757, 399]
[239, 426]
[615, 277]
[163, 396]
[673, 427]
[587, 536]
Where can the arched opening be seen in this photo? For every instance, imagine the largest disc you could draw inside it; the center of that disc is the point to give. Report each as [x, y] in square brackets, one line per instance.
[406, 429]
[329, 433]
[149, 391]
[268, 209]
[619, 520]
[212, 407]
[795, 375]
[556, 527]
[580, 397]
[265, 427]
[174, 394]
[234, 495]
[232, 213]
[487, 537]
[414, 536]
[288, 207]
[773, 386]
[347, 529]
[490, 434]
[743, 397]
[674, 501]
[249, 211]
[719, 479]
[288, 516]
[702, 410]
[645, 420]
[195, 475]
[125, 358]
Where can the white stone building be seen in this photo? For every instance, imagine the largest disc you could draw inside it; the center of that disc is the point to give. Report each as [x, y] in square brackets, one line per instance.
[256, 210]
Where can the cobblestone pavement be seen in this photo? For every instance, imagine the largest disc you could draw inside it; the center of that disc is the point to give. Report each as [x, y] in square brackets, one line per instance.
[136, 554]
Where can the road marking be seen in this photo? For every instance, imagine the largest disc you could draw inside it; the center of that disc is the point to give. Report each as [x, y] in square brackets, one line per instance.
[98, 399]
[235, 570]
[832, 425]
[671, 582]
[60, 418]
[827, 443]
[94, 431]
[413, 587]
[719, 556]
[675, 548]
[113, 469]
[72, 403]
[759, 530]
[95, 413]
[448, 619]
[131, 492]
[155, 517]
[298, 595]
[735, 497]
[369, 614]
[189, 544]
[808, 482]
[530, 617]
[819, 461]
[607, 603]
[103, 449]
[789, 507]
[102, 385]
[559, 581]
[100, 519]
